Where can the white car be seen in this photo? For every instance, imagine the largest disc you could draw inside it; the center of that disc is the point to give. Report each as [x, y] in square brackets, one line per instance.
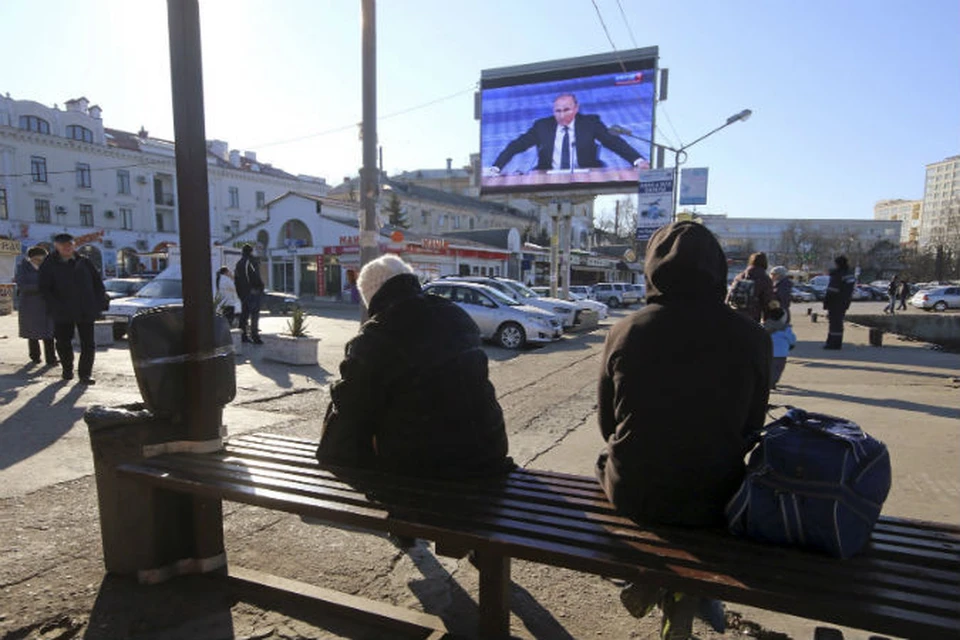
[937, 298]
[583, 303]
[157, 292]
[500, 318]
[566, 311]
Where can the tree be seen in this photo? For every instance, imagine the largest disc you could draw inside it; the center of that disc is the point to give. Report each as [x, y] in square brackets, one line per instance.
[621, 222]
[398, 215]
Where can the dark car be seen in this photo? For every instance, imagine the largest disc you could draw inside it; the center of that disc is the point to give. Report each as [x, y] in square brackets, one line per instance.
[279, 303]
[123, 287]
[817, 293]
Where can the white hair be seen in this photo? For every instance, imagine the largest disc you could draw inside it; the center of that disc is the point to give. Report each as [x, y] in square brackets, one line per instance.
[375, 273]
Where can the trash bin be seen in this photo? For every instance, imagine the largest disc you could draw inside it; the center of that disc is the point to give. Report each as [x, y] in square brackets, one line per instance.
[159, 360]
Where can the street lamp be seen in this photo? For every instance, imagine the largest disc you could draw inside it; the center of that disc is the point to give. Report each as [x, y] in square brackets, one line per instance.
[680, 155]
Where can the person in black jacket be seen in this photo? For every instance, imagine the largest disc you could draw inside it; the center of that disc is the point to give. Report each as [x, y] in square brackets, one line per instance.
[414, 396]
[837, 301]
[75, 297]
[683, 387]
[249, 288]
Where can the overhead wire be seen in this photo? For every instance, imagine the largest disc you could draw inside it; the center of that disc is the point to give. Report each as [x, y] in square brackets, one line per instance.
[609, 39]
[627, 24]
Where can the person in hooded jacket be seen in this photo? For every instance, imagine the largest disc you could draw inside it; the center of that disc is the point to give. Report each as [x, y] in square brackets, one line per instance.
[684, 385]
[782, 289]
[414, 395]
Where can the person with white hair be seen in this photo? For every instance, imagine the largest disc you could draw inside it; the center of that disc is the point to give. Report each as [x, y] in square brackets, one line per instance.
[414, 395]
[782, 288]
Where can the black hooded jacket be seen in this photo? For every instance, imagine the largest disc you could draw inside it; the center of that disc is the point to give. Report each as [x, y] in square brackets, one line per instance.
[685, 381]
[415, 396]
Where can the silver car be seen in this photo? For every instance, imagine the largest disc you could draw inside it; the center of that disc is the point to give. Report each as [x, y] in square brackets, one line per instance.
[566, 311]
[937, 298]
[500, 318]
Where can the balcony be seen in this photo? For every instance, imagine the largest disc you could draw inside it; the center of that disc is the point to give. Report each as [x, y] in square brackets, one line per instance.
[164, 199]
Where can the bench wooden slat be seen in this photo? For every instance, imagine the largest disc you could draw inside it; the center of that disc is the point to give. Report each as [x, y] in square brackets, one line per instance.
[907, 583]
[597, 539]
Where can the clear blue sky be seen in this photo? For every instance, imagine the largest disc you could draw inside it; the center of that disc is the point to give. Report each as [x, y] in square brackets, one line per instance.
[851, 98]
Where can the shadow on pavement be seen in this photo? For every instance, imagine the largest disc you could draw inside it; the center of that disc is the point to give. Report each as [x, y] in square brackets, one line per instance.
[28, 430]
[889, 403]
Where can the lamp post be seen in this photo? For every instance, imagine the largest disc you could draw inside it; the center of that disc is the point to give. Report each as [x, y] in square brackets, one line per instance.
[680, 155]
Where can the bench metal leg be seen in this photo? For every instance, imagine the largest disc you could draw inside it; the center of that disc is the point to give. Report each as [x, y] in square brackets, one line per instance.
[494, 594]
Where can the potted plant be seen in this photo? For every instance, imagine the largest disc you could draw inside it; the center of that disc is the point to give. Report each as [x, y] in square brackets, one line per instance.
[295, 346]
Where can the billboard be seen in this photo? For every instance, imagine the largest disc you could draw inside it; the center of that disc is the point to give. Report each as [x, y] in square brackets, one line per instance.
[563, 125]
[693, 186]
[654, 201]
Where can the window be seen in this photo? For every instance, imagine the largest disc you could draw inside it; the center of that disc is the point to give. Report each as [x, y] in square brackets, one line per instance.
[234, 198]
[234, 226]
[41, 210]
[3, 204]
[262, 201]
[76, 132]
[83, 175]
[33, 123]
[126, 218]
[160, 222]
[123, 181]
[38, 168]
[456, 222]
[424, 217]
[86, 215]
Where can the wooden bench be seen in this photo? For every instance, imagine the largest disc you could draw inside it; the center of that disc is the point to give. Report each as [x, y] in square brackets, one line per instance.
[906, 584]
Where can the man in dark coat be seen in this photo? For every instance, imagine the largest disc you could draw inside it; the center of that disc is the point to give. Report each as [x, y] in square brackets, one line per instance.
[249, 289]
[683, 386]
[568, 140]
[837, 301]
[75, 296]
[414, 396]
[36, 323]
[904, 293]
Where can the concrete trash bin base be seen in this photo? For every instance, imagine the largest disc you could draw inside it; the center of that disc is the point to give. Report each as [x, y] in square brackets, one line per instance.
[876, 337]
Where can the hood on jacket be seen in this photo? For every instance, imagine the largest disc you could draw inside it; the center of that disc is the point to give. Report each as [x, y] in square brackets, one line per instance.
[685, 261]
[399, 287]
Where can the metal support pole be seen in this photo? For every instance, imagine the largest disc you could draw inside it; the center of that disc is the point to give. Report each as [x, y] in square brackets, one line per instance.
[565, 244]
[201, 414]
[554, 253]
[369, 232]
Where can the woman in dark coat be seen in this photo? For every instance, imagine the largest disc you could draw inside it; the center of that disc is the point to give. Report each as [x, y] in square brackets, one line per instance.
[36, 324]
[414, 396]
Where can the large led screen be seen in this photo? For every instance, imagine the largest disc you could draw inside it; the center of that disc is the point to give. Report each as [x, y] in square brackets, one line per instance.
[564, 125]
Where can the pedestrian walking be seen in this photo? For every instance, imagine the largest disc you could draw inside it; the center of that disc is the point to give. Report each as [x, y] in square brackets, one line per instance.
[837, 301]
[893, 290]
[249, 286]
[227, 290]
[904, 294]
[752, 290]
[75, 295]
[36, 323]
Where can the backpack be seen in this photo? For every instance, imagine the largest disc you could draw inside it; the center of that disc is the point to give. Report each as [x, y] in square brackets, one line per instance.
[814, 481]
[742, 294]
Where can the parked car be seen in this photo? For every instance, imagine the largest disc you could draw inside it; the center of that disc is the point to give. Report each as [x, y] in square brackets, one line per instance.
[123, 287]
[615, 294]
[816, 293]
[937, 299]
[583, 303]
[800, 293]
[582, 290]
[641, 290]
[500, 318]
[566, 311]
[278, 302]
[155, 293]
[873, 293]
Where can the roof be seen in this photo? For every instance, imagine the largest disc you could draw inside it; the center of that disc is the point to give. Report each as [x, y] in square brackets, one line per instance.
[491, 237]
[433, 174]
[453, 199]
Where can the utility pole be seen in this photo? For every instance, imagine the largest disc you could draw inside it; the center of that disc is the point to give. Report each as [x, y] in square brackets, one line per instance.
[369, 233]
[616, 219]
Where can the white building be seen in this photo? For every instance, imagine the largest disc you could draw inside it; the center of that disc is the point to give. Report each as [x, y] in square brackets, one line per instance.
[907, 212]
[63, 171]
[940, 219]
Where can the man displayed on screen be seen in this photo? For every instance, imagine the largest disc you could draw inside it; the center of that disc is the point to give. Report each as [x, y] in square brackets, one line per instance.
[569, 140]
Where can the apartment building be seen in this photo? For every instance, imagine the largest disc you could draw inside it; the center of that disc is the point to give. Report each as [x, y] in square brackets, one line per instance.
[62, 170]
[907, 212]
[940, 217]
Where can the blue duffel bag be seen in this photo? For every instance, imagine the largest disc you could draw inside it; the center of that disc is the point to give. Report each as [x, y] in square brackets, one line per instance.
[813, 481]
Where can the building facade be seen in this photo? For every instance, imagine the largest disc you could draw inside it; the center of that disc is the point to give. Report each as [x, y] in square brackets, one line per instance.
[940, 218]
[62, 170]
[907, 212]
